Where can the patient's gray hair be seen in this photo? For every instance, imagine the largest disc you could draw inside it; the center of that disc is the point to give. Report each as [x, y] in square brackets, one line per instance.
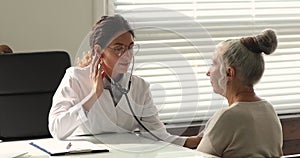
[245, 55]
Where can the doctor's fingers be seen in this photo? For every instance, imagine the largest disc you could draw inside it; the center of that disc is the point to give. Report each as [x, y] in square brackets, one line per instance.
[98, 82]
[92, 65]
[96, 75]
[95, 67]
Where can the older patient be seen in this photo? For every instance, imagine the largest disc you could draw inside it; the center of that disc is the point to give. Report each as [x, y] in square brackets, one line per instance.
[249, 126]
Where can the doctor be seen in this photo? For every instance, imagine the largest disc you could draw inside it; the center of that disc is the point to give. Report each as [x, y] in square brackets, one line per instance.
[92, 97]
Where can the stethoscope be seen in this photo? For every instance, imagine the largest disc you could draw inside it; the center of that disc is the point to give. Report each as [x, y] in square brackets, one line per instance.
[125, 91]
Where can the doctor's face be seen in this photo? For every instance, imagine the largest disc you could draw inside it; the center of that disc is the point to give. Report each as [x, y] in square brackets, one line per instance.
[118, 54]
[216, 72]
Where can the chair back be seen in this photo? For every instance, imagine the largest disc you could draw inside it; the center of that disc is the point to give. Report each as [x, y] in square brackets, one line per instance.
[28, 82]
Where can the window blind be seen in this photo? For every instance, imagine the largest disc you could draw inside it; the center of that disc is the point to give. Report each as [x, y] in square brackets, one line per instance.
[177, 39]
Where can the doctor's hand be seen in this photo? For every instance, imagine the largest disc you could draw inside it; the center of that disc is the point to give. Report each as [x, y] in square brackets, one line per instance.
[97, 81]
[192, 142]
[96, 75]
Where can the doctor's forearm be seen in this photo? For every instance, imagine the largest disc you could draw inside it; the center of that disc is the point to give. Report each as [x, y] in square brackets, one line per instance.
[63, 126]
[63, 123]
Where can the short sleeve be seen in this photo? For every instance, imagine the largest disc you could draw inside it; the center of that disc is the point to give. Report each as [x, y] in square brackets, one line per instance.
[217, 135]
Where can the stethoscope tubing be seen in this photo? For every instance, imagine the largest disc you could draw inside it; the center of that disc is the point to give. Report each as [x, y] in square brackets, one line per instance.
[125, 93]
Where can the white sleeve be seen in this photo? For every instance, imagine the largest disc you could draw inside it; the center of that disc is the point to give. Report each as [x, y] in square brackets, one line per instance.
[156, 127]
[67, 112]
[151, 120]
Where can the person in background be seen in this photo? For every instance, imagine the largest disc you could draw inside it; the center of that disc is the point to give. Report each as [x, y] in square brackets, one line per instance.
[90, 98]
[249, 126]
[5, 49]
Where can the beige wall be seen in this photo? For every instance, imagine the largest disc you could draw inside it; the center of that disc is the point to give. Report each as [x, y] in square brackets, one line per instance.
[42, 25]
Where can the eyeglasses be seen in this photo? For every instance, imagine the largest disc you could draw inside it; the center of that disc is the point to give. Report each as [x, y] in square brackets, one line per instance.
[121, 49]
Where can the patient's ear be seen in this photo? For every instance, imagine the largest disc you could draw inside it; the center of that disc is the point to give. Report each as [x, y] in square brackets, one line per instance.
[230, 73]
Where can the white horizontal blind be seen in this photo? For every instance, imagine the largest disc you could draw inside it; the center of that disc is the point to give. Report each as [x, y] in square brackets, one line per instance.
[177, 40]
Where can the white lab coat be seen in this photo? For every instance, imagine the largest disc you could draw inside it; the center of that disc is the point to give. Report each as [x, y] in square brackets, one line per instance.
[67, 117]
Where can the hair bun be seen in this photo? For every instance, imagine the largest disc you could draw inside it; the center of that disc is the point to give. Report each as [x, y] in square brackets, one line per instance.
[266, 42]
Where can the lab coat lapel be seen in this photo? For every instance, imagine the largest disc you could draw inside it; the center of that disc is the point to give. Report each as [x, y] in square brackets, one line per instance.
[110, 110]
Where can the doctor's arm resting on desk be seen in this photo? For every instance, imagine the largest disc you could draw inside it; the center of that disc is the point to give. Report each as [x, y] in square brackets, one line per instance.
[249, 126]
[100, 95]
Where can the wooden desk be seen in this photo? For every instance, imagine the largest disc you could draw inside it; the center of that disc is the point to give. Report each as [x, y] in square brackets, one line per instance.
[124, 145]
